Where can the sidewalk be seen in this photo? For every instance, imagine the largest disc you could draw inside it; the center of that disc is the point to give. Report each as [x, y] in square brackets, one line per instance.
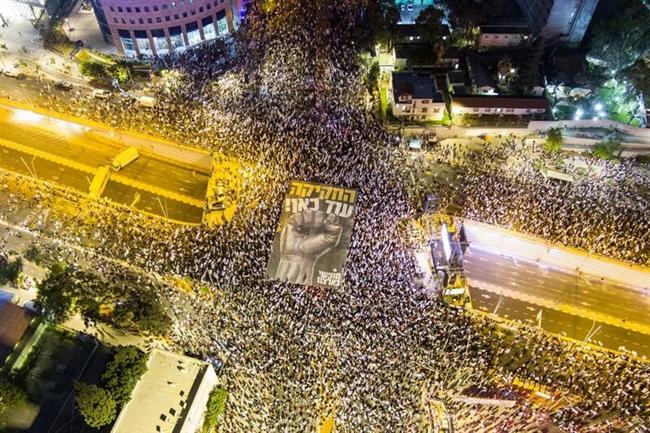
[24, 46]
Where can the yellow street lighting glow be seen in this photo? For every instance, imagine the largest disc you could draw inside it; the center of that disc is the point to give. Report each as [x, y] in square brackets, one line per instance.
[27, 116]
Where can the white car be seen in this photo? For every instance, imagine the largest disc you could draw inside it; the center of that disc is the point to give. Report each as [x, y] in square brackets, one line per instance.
[101, 93]
[13, 73]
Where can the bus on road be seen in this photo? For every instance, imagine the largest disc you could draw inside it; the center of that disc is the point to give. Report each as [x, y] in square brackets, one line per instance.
[125, 158]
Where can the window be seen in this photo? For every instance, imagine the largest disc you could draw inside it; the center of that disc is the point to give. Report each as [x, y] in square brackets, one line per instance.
[175, 16]
[137, 10]
[193, 35]
[176, 37]
[184, 14]
[127, 42]
[425, 110]
[155, 8]
[140, 20]
[510, 110]
[167, 18]
[123, 21]
[193, 12]
[111, 8]
[142, 40]
[475, 110]
[132, 21]
[146, 8]
[209, 32]
[436, 110]
[159, 41]
[158, 20]
[222, 24]
[149, 20]
[201, 9]
[487, 110]
[119, 9]
[208, 6]
[115, 20]
[129, 10]
[425, 101]
[165, 6]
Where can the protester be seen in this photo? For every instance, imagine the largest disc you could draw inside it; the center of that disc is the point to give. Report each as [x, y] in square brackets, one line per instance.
[289, 105]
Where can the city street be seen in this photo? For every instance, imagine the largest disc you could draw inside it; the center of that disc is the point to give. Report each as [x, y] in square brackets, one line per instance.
[576, 300]
[68, 154]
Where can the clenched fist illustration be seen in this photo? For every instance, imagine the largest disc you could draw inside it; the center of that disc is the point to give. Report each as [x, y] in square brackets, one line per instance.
[306, 237]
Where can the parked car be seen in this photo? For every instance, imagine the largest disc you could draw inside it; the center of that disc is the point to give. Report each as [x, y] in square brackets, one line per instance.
[14, 73]
[63, 85]
[101, 93]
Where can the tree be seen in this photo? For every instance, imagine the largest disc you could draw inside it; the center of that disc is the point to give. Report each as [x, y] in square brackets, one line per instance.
[468, 13]
[10, 270]
[554, 140]
[530, 71]
[619, 42]
[638, 74]
[215, 408]
[429, 24]
[607, 149]
[144, 311]
[34, 254]
[96, 405]
[123, 373]
[56, 293]
[120, 72]
[93, 69]
[383, 16]
[10, 396]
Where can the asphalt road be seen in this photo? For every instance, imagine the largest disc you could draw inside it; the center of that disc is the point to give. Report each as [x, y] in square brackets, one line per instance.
[527, 283]
[167, 188]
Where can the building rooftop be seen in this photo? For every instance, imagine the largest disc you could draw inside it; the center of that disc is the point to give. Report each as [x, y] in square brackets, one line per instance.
[479, 70]
[417, 85]
[505, 29]
[14, 321]
[162, 398]
[480, 101]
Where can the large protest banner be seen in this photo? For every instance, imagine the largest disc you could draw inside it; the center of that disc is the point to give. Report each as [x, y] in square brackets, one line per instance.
[311, 241]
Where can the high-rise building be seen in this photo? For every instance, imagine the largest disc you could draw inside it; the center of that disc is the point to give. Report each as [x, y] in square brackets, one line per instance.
[155, 27]
[39, 9]
[564, 21]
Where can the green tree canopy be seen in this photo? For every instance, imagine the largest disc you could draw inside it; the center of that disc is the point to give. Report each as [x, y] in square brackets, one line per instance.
[638, 75]
[554, 140]
[383, 16]
[429, 24]
[623, 39]
[96, 405]
[56, 293]
[216, 407]
[10, 270]
[530, 71]
[10, 395]
[123, 372]
[469, 13]
[93, 69]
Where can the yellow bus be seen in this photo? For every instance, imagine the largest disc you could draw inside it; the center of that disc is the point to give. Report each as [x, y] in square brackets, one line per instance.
[125, 158]
[99, 182]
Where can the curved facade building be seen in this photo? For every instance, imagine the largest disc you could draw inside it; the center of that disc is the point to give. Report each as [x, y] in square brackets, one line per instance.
[156, 27]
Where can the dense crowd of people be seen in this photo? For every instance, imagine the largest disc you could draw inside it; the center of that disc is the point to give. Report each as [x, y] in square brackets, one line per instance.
[604, 210]
[284, 98]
